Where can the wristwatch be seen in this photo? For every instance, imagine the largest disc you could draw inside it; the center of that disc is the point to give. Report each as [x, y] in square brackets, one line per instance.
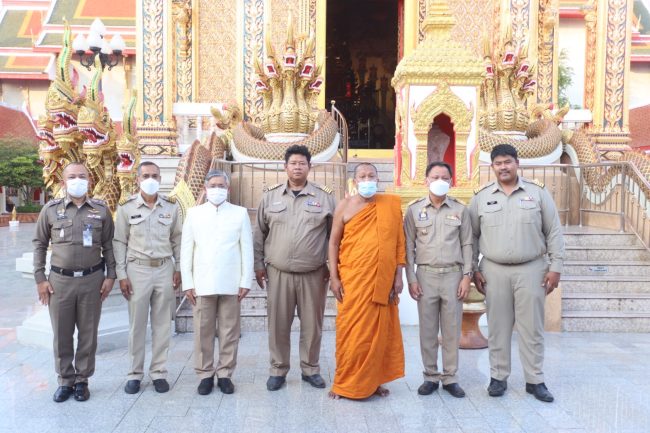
[469, 274]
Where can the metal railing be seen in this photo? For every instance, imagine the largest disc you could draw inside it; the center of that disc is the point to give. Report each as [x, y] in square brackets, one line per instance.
[343, 130]
[608, 193]
[248, 180]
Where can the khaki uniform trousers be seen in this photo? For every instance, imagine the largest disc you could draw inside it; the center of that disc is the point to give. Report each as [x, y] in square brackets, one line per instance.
[153, 295]
[76, 302]
[216, 316]
[307, 291]
[439, 310]
[515, 297]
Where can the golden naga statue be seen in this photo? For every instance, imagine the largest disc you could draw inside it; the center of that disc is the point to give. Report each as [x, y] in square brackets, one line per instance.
[289, 87]
[78, 128]
[504, 112]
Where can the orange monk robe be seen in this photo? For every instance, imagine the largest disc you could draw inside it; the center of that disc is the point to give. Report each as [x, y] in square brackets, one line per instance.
[369, 349]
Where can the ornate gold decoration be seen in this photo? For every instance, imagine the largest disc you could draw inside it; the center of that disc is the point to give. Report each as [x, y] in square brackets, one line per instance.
[152, 54]
[547, 23]
[429, 62]
[471, 16]
[217, 33]
[520, 13]
[442, 101]
[422, 13]
[591, 17]
[182, 10]
[615, 64]
[128, 155]
[253, 40]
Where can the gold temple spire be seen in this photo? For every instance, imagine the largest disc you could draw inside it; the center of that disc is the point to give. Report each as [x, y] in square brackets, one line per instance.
[438, 18]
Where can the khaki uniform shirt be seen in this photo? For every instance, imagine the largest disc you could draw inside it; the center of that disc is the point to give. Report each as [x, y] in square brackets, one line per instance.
[292, 232]
[63, 223]
[437, 237]
[517, 228]
[144, 233]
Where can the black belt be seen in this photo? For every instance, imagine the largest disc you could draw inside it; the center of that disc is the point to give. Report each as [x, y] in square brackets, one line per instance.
[80, 273]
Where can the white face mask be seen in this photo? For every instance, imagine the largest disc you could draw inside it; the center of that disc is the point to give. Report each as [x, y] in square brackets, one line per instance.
[439, 187]
[76, 187]
[149, 186]
[216, 196]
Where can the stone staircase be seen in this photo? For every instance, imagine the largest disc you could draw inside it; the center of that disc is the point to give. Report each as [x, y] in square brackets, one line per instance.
[606, 282]
[253, 313]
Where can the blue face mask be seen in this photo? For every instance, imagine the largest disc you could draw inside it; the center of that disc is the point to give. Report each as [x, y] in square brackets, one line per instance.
[367, 189]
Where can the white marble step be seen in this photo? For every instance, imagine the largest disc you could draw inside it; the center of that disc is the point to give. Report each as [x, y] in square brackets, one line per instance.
[621, 302]
[607, 253]
[605, 321]
[606, 268]
[600, 239]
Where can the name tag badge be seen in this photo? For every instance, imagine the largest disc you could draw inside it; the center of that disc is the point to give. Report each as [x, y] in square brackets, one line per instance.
[88, 236]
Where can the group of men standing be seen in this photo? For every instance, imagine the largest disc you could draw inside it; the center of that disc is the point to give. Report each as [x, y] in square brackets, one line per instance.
[302, 242]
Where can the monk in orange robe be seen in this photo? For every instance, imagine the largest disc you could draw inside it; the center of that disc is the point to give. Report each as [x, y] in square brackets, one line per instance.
[367, 244]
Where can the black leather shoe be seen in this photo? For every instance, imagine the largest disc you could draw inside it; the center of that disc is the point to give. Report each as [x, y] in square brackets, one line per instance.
[225, 385]
[206, 385]
[497, 387]
[427, 387]
[62, 393]
[540, 392]
[275, 382]
[454, 389]
[132, 387]
[81, 392]
[161, 385]
[314, 380]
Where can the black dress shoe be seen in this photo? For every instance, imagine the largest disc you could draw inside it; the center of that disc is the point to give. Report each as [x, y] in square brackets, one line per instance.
[454, 389]
[275, 382]
[540, 392]
[427, 387]
[81, 392]
[225, 385]
[206, 385]
[132, 387]
[314, 380]
[161, 385]
[62, 393]
[497, 387]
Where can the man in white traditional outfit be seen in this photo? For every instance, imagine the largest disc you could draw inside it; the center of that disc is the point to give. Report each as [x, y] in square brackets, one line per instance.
[217, 273]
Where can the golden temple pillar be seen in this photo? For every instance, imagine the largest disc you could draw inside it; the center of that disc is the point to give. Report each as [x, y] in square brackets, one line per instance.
[609, 22]
[547, 52]
[156, 127]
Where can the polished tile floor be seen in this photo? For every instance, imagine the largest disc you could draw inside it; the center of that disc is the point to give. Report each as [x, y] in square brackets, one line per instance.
[600, 382]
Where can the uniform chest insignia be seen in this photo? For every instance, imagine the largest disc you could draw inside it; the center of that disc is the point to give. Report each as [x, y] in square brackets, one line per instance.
[165, 215]
[491, 202]
[94, 216]
[313, 203]
[453, 217]
[276, 203]
[135, 216]
[527, 198]
[60, 216]
[423, 216]
[91, 210]
[311, 194]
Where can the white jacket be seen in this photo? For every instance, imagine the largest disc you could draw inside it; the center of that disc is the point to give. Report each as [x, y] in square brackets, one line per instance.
[217, 250]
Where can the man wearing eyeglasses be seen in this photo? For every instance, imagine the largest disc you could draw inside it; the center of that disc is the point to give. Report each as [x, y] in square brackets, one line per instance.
[294, 221]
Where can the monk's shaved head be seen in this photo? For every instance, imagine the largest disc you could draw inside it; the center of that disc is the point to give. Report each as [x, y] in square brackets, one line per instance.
[364, 165]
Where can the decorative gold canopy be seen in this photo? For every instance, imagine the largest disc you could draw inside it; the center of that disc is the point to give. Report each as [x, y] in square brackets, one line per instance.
[438, 57]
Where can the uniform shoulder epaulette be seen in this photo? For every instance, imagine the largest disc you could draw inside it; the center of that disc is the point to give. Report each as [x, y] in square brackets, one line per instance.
[327, 189]
[534, 182]
[53, 202]
[415, 201]
[98, 201]
[168, 198]
[482, 187]
[131, 197]
[272, 187]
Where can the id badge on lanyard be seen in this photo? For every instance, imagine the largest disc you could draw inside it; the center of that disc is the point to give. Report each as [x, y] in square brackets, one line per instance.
[88, 235]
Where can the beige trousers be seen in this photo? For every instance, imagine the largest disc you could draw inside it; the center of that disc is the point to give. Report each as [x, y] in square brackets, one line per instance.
[286, 291]
[216, 316]
[153, 295]
[76, 302]
[515, 297]
[439, 310]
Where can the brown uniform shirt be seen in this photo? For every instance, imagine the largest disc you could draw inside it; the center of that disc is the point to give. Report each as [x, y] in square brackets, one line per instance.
[517, 228]
[62, 223]
[437, 237]
[292, 232]
[145, 233]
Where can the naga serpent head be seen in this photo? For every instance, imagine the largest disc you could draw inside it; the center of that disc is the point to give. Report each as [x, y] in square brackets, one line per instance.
[128, 155]
[95, 122]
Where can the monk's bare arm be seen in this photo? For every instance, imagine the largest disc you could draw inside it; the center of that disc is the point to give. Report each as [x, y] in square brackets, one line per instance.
[333, 249]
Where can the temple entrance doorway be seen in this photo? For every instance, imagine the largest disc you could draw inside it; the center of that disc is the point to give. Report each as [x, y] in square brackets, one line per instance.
[362, 49]
[441, 141]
